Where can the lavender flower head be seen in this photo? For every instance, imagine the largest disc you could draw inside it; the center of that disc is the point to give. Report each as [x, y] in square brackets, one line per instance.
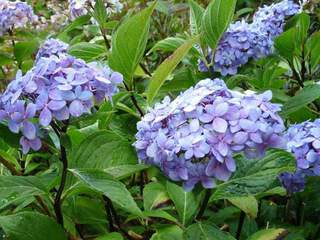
[56, 88]
[52, 47]
[243, 41]
[193, 138]
[303, 140]
[15, 14]
[80, 7]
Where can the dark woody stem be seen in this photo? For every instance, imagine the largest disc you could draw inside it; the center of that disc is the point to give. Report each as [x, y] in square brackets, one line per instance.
[63, 158]
[240, 224]
[204, 203]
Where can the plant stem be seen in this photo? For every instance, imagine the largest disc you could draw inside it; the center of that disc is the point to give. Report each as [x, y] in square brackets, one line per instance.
[134, 100]
[107, 203]
[204, 203]
[10, 167]
[240, 224]
[57, 200]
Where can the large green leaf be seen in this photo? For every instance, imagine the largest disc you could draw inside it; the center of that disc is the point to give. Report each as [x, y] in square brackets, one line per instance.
[16, 189]
[256, 176]
[216, 20]
[87, 51]
[129, 43]
[285, 44]
[24, 50]
[124, 171]
[269, 234]
[154, 194]
[186, 202]
[248, 204]
[205, 231]
[108, 186]
[166, 67]
[31, 226]
[170, 44]
[102, 150]
[168, 233]
[196, 13]
[313, 51]
[305, 96]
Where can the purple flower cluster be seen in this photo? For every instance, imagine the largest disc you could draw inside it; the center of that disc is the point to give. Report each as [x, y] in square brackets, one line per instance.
[79, 7]
[15, 14]
[243, 41]
[52, 47]
[56, 88]
[303, 140]
[193, 138]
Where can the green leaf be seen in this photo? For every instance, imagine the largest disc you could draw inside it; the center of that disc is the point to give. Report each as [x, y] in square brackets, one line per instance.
[205, 231]
[31, 226]
[196, 13]
[168, 233]
[307, 95]
[154, 194]
[269, 234]
[170, 44]
[87, 51]
[100, 12]
[80, 21]
[124, 171]
[110, 236]
[24, 50]
[5, 59]
[129, 43]
[167, 66]
[108, 186]
[255, 176]
[160, 214]
[8, 137]
[186, 202]
[313, 51]
[15, 189]
[285, 44]
[248, 204]
[216, 20]
[303, 25]
[102, 150]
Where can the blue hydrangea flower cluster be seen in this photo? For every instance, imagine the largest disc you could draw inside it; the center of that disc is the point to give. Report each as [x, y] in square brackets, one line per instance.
[303, 140]
[243, 41]
[15, 14]
[80, 7]
[56, 88]
[52, 47]
[193, 138]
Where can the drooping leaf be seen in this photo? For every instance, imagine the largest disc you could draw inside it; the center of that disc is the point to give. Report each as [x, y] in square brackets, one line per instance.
[307, 95]
[256, 176]
[205, 231]
[269, 234]
[216, 19]
[166, 67]
[110, 187]
[186, 202]
[87, 51]
[168, 233]
[15, 189]
[129, 43]
[31, 226]
[154, 194]
[248, 204]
